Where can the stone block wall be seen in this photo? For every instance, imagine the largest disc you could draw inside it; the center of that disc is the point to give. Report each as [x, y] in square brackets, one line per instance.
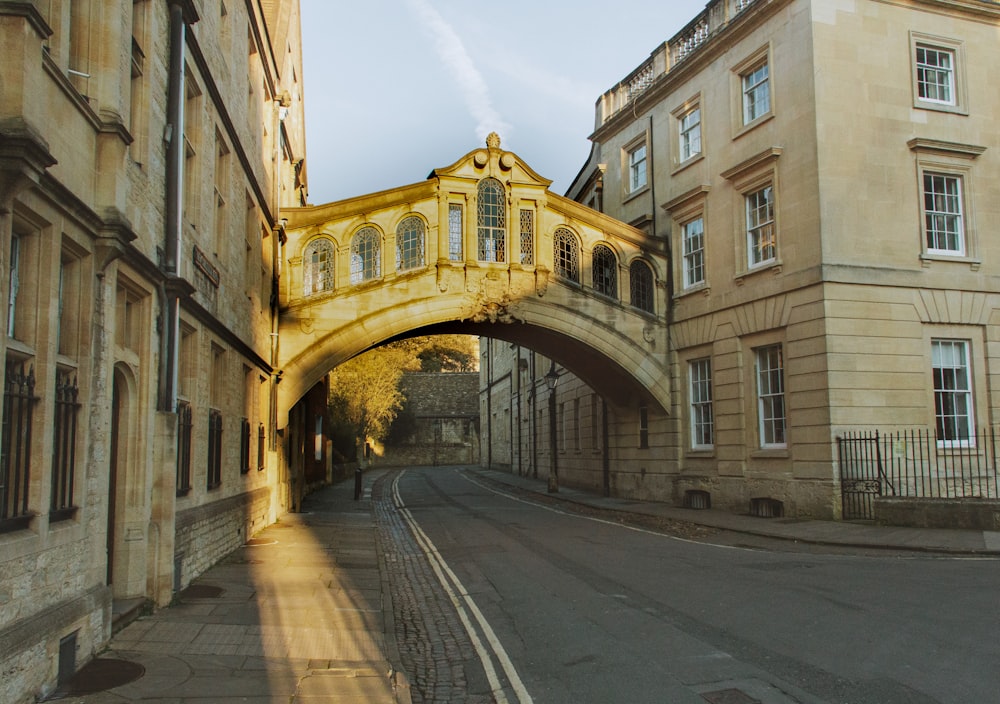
[206, 534]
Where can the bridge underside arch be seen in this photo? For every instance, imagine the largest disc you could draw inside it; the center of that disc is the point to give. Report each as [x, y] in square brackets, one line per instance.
[625, 362]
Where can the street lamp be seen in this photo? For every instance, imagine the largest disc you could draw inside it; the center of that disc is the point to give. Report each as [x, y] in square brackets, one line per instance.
[551, 379]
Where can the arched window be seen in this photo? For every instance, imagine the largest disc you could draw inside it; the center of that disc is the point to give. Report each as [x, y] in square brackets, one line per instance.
[317, 267]
[366, 255]
[641, 286]
[410, 243]
[566, 254]
[605, 266]
[492, 221]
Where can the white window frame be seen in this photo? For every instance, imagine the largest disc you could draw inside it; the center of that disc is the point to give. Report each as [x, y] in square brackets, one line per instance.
[955, 83]
[694, 257]
[755, 85]
[941, 207]
[700, 397]
[758, 226]
[935, 76]
[637, 168]
[689, 134]
[772, 414]
[952, 383]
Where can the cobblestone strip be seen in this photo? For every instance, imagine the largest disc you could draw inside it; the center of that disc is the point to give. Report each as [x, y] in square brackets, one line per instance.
[434, 649]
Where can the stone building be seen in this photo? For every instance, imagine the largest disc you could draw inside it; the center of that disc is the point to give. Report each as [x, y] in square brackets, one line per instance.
[827, 178]
[147, 150]
[440, 421]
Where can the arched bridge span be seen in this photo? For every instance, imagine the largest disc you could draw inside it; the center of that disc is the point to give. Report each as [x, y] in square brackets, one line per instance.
[481, 247]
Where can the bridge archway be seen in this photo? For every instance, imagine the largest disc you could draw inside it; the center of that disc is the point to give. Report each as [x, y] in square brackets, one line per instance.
[481, 247]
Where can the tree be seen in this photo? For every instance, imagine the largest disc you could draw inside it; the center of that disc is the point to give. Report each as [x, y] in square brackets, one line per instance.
[364, 391]
[448, 353]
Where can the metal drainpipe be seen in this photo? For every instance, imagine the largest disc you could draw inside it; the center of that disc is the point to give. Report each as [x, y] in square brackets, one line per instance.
[489, 403]
[170, 333]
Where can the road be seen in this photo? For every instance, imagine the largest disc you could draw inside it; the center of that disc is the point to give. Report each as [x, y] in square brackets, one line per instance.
[500, 599]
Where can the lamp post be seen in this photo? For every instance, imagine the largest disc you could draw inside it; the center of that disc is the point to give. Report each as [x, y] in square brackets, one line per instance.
[551, 379]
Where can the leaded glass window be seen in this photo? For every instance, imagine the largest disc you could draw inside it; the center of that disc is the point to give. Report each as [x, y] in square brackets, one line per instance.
[410, 243]
[317, 267]
[492, 221]
[366, 255]
[641, 286]
[455, 232]
[605, 268]
[566, 254]
[527, 236]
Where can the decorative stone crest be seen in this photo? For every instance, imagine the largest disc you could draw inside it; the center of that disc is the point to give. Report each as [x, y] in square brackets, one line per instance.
[494, 311]
[493, 140]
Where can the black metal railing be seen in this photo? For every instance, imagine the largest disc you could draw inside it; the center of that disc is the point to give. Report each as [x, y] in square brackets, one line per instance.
[915, 464]
[184, 429]
[64, 446]
[15, 446]
[214, 460]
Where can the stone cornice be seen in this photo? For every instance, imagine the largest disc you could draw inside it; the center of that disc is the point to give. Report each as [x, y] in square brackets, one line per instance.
[28, 11]
[937, 146]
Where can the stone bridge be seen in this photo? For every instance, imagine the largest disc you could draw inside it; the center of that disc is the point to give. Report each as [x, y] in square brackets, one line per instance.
[481, 247]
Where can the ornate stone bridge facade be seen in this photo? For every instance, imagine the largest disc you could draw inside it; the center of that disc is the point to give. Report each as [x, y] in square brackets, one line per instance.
[481, 247]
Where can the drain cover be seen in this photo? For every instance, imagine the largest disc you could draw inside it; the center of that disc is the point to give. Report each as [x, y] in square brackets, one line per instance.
[729, 696]
[201, 591]
[98, 675]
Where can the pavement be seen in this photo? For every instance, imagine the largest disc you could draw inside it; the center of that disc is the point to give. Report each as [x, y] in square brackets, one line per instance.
[302, 613]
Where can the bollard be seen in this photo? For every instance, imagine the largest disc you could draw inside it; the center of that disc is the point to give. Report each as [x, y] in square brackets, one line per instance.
[357, 484]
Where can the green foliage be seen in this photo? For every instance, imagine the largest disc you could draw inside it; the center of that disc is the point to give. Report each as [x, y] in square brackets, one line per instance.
[365, 397]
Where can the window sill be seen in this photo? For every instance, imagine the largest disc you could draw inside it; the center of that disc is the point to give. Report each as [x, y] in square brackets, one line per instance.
[751, 126]
[10, 525]
[700, 453]
[927, 257]
[770, 453]
[632, 195]
[690, 161]
[940, 107]
[62, 514]
[773, 266]
[19, 351]
[702, 288]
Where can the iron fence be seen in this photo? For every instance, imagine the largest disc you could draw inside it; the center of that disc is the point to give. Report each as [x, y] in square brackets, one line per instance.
[916, 464]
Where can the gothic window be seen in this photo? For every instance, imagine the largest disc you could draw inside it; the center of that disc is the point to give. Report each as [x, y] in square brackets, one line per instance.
[566, 254]
[605, 266]
[366, 250]
[492, 221]
[317, 267]
[410, 243]
[527, 237]
[641, 286]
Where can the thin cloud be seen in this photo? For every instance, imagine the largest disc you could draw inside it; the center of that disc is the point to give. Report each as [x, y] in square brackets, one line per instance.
[456, 59]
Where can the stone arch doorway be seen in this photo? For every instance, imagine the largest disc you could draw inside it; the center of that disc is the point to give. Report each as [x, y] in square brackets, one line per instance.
[124, 542]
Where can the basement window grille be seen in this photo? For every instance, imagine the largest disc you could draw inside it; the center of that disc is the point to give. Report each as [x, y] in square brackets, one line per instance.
[214, 459]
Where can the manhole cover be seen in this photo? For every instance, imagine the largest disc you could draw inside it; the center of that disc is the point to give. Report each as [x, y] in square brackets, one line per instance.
[201, 591]
[729, 696]
[98, 675]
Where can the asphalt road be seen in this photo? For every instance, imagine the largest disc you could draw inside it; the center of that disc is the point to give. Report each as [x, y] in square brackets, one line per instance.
[568, 609]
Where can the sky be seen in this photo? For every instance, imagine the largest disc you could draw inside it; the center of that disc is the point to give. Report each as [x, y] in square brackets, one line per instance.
[396, 88]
